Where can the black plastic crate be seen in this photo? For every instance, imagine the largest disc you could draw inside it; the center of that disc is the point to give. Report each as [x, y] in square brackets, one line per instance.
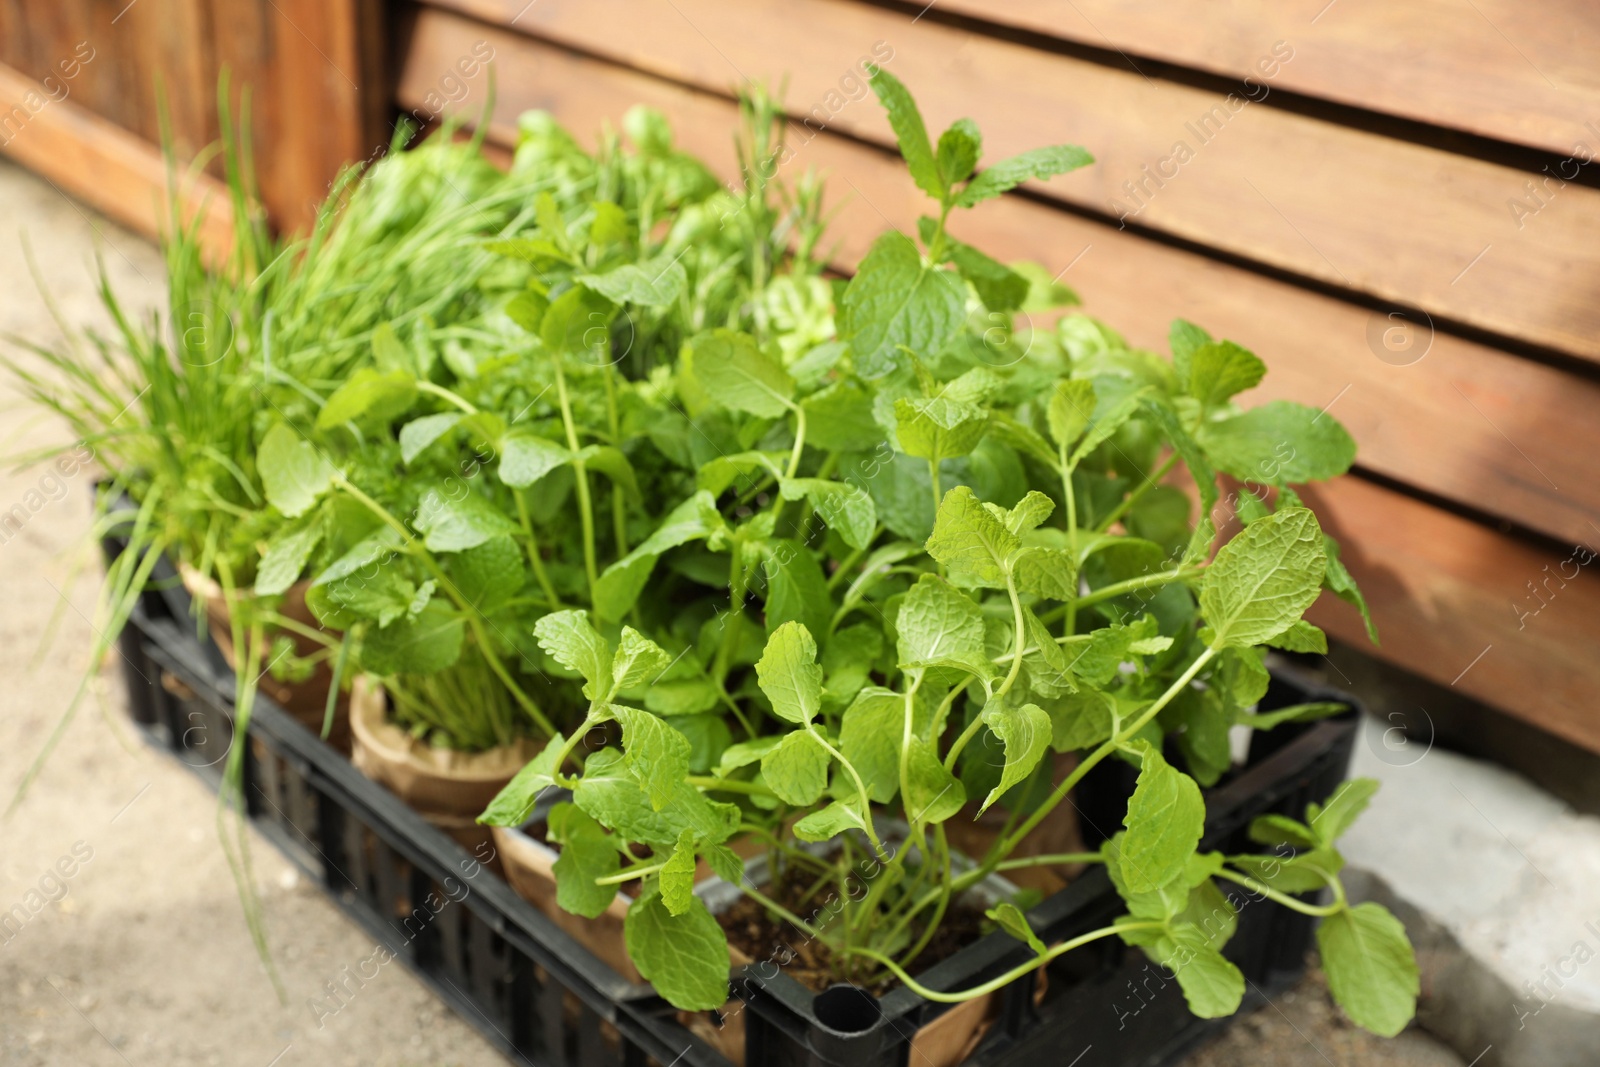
[542, 998]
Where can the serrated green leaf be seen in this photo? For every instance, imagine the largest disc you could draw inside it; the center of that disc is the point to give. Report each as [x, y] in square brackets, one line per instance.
[657, 754]
[1165, 818]
[959, 148]
[938, 625]
[797, 769]
[525, 458]
[895, 300]
[837, 818]
[285, 558]
[1212, 986]
[418, 434]
[797, 592]
[578, 321]
[1301, 637]
[610, 792]
[1079, 720]
[1025, 732]
[1038, 164]
[656, 283]
[1218, 370]
[369, 396]
[1372, 971]
[429, 642]
[1279, 443]
[1264, 579]
[1330, 820]
[971, 541]
[844, 507]
[677, 876]
[488, 575]
[999, 287]
[568, 638]
[514, 804]
[909, 130]
[587, 853]
[935, 794]
[938, 428]
[1071, 406]
[684, 956]
[293, 473]
[736, 374]
[638, 661]
[1009, 918]
[1273, 829]
[869, 737]
[453, 524]
[789, 674]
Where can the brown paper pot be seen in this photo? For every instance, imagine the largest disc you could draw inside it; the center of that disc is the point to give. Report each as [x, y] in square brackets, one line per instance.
[529, 866]
[307, 701]
[447, 788]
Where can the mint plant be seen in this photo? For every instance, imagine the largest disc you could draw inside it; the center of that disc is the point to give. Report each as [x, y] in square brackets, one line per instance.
[908, 573]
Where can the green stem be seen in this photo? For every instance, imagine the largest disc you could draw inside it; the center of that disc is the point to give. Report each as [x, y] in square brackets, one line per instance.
[729, 785]
[1132, 498]
[585, 506]
[1320, 910]
[1007, 844]
[1010, 976]
[630, 874]
[866, 800]
[1021, 636]
[534, 559]
[799, 440]
[944, 895]
[446, 395]
[619, 527]
[1144, 581]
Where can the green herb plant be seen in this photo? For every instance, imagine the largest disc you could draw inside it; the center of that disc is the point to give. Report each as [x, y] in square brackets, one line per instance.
[912, 564]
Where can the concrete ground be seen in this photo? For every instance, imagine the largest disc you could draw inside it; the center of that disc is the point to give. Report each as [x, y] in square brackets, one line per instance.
[143, 958]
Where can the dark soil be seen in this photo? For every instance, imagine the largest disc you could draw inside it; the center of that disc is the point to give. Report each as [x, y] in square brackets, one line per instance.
[766, 938]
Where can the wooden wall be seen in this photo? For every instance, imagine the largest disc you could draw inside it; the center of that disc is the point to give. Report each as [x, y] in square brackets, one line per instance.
[1369, 168]
[82, 83]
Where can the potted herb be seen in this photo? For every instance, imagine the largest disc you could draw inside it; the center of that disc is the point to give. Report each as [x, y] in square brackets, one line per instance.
[924, 549]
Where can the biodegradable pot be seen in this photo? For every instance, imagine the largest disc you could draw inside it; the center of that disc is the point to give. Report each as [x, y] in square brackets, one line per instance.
[450, 789]
[307, 701]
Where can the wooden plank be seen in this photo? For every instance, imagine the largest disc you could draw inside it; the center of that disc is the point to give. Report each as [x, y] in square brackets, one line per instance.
[116, 172]
[1492, 71]
[1465, 422]
[1510, 623]
[1396, 221]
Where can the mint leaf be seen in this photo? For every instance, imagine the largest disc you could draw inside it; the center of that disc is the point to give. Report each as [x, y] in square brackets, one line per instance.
[684, 956]
[1025, 732]
[369, 396]
[578, 321]
[677, 877]
[738, 375]
[1342, 584]
[999, 287]
[1372, 971]
[610, 791]
[1279, 443]
[1071, 407]
[1040, 163]
[1301, 637]
[620, 584]
[970, 541]
[789, 674]
[830, 822]
[844, 507]
[1047, 572]
[869, 737]
[1266, 720]
[418, 434]
[1108, 423]
[1211, 984]
[1220, 369]
[657, 754]
[1185, 338]
[638, 661]
[935, 794]
[797, 769]
[587, 853]
[1165, 818]
[959, 148]
[568, 638]
[1264, 579]
[515, 803]
[1010, 919]
[451, 525]
[293, 472]
[488, 575]
[940, 626]
[938, 428]
[1329, 821]
[1273, 829]
[286, 557]
[430, 642]
[796, 590]
[1080, 720]
[525, 458]
[655, 283]
[896, 299]
[909, 131]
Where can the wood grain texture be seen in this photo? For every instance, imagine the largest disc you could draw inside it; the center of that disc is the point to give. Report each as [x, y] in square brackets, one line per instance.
[1465, 422]
[1495, 68]
[1509, 623]
[1396, 221]
[116, 172]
